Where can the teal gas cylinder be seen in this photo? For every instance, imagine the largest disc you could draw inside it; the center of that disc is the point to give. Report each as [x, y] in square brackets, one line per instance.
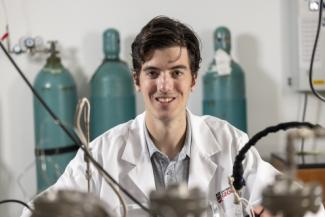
[112, 96]
[53, 148]
[224, 84]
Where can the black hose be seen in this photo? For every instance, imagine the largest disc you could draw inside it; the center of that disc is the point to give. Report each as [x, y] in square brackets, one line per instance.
[238, 169]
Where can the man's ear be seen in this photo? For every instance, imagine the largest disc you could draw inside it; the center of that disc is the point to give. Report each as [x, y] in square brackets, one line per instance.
[193, 85]
[136, 81]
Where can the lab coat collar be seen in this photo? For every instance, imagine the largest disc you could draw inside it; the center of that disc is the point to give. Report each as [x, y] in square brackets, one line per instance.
[205, 141]
[203, 147]
[136, 153]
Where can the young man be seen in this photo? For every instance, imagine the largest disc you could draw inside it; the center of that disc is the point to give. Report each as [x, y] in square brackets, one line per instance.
[167, 143]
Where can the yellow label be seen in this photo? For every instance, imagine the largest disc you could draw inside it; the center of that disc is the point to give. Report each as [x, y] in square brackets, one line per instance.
[318, 82]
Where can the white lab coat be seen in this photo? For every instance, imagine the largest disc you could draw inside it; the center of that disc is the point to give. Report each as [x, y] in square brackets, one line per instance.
[123, 153]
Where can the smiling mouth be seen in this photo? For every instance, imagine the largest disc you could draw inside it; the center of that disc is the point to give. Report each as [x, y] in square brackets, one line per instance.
[165, 99]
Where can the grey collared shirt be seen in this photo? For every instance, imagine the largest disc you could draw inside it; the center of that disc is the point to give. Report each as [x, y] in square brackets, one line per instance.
[168, 171]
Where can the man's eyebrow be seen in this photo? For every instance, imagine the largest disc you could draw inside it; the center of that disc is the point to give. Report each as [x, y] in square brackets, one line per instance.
[179, 67]
[148, 68]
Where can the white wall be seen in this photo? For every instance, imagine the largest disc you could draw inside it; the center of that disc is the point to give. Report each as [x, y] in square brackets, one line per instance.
[260, 45]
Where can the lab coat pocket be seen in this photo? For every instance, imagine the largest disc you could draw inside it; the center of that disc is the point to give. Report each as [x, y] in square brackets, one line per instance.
[215, 209]
[223, 205]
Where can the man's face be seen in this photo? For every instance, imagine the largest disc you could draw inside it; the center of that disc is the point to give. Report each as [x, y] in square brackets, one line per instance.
[165, 81]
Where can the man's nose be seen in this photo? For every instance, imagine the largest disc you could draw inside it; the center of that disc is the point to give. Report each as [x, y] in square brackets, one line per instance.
[165, 82]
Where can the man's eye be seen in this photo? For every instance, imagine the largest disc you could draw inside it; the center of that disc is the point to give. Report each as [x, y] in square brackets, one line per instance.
[177, 73]
[152, 74]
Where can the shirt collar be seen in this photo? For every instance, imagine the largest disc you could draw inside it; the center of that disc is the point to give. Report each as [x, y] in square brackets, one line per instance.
[186, 149]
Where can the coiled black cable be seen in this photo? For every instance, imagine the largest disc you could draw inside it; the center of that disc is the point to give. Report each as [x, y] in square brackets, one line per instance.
[238, 169]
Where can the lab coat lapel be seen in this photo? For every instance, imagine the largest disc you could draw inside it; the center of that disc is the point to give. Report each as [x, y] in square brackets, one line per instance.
[204, 146]
[136, 153]
[142, 176]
